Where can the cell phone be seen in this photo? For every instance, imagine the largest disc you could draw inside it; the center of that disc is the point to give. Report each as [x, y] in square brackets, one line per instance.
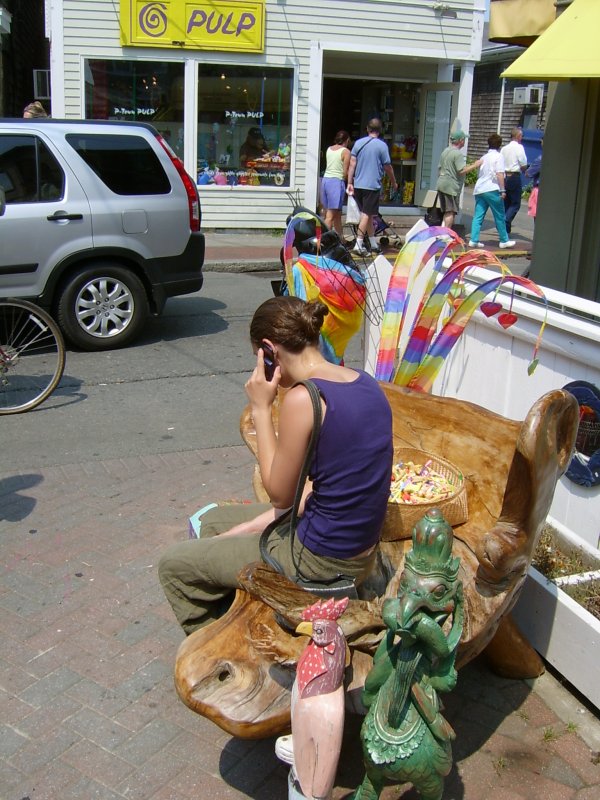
[269, 359]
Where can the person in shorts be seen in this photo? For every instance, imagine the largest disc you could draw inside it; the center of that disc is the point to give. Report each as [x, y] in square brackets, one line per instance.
[333, 182]
[452, 170]
[369, 160]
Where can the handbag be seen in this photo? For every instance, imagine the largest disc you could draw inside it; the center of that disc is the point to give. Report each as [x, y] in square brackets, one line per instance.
[434, 216]
[352, 211]
[341, 585]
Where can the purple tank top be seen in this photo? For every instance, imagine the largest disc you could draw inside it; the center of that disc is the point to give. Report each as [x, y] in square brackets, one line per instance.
[351, 470]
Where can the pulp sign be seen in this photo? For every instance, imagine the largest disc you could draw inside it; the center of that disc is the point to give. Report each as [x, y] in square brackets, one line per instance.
[234, 25]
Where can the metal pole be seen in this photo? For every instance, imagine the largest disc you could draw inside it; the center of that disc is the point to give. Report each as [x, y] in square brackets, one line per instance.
[501, 105]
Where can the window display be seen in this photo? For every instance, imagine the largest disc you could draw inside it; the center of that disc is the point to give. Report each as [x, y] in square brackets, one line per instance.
[244, 125]
[144, 91]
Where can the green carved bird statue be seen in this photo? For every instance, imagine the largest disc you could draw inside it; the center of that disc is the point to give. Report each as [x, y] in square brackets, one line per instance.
[404, 736]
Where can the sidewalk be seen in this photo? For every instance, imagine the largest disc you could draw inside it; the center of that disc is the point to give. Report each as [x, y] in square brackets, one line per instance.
[89, 710]
[235, 251]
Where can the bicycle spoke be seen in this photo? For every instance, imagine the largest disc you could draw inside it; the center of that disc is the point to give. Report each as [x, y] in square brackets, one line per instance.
[32, 356]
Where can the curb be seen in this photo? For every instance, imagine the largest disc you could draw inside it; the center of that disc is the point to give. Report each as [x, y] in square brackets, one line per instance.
[241, 266]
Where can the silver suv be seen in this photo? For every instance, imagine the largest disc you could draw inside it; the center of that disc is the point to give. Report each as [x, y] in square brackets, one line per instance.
[101, 224]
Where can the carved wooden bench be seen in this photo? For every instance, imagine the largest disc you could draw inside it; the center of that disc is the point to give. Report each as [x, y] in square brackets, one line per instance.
[238, 671]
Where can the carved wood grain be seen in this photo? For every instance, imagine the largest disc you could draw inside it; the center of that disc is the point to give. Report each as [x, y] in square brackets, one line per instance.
[237, 670]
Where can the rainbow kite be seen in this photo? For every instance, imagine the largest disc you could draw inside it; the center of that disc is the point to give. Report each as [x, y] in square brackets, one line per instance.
[340, 287]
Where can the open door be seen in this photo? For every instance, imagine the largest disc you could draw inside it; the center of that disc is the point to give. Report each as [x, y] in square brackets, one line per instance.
[439, 103]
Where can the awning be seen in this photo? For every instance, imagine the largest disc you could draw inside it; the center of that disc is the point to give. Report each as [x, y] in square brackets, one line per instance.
[520, 21]
[567, 49]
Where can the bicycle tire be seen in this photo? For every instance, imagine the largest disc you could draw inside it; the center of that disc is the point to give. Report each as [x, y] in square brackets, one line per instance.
[32, 356]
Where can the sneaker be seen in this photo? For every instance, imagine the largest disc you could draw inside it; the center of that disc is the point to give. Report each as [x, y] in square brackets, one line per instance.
[475, 244]
[284, 749]
[506, 245]
[360, 249]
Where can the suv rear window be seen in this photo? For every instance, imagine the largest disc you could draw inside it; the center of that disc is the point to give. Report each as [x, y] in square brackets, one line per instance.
[126, 164]
[29, 173]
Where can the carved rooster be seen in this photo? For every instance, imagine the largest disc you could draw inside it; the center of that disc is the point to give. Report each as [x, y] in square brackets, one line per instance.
[318, 702]
[404, 735]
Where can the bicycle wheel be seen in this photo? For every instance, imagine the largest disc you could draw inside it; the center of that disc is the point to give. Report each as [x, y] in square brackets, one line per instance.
[32, 356]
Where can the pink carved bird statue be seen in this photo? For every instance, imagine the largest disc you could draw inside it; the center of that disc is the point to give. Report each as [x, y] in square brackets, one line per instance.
[318, 702]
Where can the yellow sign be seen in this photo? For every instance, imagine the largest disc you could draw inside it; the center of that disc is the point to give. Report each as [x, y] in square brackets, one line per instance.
[233, 25]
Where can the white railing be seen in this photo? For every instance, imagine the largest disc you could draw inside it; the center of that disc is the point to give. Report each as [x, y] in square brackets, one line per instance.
[488, 366]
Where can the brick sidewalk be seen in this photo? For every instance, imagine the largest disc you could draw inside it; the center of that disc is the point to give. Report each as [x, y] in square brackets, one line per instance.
[89, 711]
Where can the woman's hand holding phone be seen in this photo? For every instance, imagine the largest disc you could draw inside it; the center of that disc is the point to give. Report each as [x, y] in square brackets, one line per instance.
[262, 386]
[268, 360]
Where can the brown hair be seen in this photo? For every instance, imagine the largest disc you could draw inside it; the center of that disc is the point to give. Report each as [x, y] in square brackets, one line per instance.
[35, 109]
[341, 137]
[374, 125]
[494, 141]
[288, 321]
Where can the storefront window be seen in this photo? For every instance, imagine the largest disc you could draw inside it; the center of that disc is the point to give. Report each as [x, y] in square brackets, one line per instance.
[244, 125]
[146, 91]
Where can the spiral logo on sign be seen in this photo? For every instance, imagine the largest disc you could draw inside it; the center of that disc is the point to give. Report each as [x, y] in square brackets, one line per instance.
[152, 19]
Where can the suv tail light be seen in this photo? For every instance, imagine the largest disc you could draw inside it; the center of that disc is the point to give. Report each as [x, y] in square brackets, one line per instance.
[190, 186]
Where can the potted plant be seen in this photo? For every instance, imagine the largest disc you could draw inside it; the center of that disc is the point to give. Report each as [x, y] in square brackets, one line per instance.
[559, 609]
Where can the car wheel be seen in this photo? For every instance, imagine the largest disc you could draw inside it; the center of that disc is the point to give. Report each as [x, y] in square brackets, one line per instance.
[102, 307]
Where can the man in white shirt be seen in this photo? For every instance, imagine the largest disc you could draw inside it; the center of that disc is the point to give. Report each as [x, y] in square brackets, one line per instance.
[515, 162]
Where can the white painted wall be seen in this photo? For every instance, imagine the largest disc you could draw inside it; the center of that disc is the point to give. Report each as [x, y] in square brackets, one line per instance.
[400, 30]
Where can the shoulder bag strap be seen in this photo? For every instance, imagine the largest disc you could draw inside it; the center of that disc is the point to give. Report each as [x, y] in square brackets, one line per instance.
[315, 397]
[358, 152]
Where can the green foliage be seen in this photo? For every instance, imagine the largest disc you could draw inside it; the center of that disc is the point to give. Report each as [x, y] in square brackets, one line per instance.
[471, 178]
[549, 735]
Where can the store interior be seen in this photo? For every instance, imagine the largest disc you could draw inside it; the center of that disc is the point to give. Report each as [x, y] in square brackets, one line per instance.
[348, 104]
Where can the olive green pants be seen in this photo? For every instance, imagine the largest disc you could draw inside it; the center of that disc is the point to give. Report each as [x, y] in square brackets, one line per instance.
[199, 576]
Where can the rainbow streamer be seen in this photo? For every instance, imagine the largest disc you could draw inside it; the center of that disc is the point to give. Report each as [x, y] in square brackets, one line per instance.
[427, 371]
[432, 306]
[412, 334]
[407, 268]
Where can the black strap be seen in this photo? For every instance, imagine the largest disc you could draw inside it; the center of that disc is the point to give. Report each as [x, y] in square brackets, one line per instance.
[315, 397]
[340, 585]
[358, 152]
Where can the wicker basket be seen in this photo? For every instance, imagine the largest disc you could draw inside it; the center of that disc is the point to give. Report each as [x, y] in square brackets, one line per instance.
[402, 517]
[588, 437]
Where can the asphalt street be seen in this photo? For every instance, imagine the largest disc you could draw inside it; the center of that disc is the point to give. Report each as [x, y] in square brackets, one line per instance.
[179, 387]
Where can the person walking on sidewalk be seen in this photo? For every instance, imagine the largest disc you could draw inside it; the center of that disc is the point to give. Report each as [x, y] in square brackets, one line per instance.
[369, 160]
[341, 512]
[452, 170]
[489, 192]
[333, 186]
[515, 163]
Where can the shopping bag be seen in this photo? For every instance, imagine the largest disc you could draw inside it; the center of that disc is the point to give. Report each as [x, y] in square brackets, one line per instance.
[352, 211]
[434, 215]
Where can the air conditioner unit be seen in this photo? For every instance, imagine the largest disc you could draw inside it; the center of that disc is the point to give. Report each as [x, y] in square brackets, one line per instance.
[528, 96]
[41, 84]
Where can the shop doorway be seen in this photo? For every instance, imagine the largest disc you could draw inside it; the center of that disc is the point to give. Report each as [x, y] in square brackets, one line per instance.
[416, 121]
[349, 103]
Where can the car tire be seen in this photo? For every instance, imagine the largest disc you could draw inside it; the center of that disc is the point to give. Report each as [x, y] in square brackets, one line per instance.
[102, 307]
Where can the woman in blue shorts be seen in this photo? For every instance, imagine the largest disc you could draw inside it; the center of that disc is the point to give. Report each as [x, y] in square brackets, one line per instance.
[333, 182]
